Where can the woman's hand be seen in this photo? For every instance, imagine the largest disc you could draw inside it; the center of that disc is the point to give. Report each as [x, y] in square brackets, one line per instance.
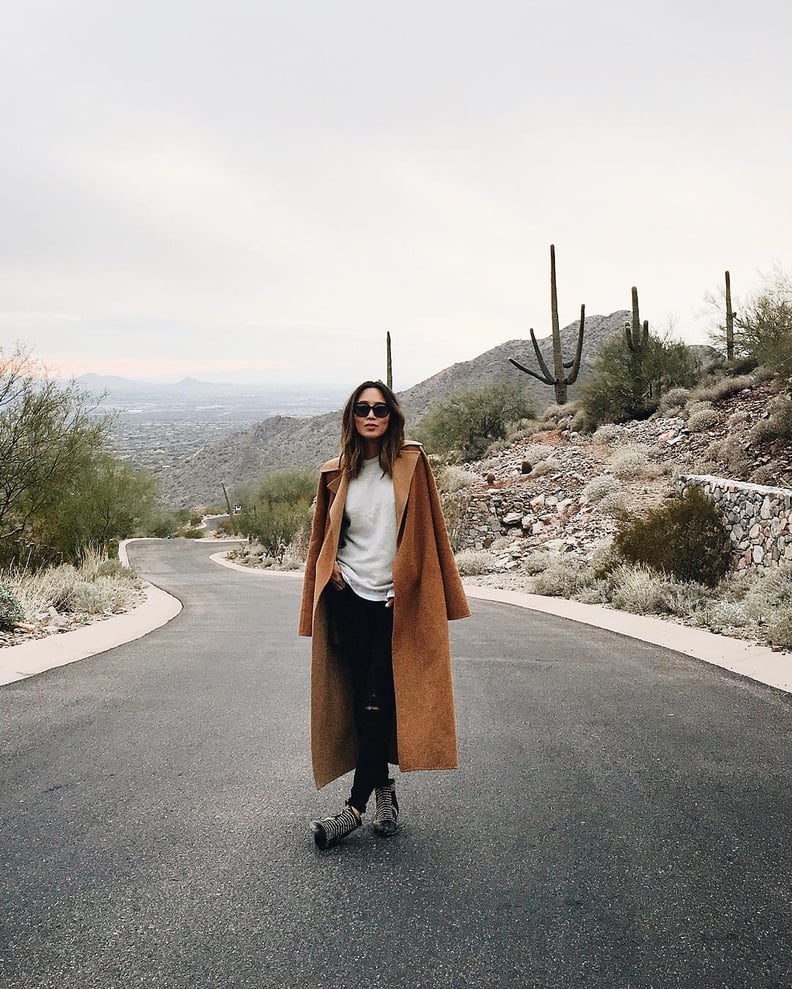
[336, 579]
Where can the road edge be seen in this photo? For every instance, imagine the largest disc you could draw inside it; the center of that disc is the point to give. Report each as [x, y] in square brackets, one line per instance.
[739, 656]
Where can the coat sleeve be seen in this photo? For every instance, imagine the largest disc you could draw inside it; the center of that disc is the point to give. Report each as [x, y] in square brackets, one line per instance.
[314, 546]
[456, 601]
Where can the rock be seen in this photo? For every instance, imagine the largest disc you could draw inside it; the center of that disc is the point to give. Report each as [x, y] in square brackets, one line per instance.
[513, 518]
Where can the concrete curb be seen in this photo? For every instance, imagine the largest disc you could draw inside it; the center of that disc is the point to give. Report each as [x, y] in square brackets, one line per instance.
[220, 560]
[737, 655]
[37, 655]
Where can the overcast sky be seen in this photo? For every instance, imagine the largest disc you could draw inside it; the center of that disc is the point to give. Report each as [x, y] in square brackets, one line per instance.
[216, 188]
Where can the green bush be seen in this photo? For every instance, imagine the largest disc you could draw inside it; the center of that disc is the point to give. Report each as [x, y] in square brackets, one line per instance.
[763, 326]
[11, 612]
[685, 538]
[624, 385]
[278, 511]
[468, 422]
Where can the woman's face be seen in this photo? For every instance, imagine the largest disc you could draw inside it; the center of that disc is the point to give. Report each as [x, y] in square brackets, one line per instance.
[369, 426]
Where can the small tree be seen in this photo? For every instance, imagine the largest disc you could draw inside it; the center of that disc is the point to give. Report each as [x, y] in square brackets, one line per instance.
[47, 434]
[467, 422]
[764, 325]
[277, 510]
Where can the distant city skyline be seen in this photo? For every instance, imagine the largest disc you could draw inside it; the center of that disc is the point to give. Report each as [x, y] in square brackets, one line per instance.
[231, 191]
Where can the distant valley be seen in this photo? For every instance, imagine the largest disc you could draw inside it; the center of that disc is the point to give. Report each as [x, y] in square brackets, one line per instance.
[288, 440]
[159, 425]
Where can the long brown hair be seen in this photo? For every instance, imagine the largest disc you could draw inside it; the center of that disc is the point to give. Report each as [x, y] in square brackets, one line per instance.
[352, 444]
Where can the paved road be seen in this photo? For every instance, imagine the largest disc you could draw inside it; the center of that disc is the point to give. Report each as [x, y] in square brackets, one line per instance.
[621, 819]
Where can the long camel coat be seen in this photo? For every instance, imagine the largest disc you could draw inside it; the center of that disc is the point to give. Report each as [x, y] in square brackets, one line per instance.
[428, 592]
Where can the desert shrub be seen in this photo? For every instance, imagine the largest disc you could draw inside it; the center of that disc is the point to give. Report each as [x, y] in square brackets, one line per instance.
[277, 510]
[697, 406]
[719, 616]
[778, 425]
[723, 387]
[605, 484]
[11, 611]
[628, 385]
[614, 504]
[556, 415]
[768, 592]
[702, 420]
[538, 561]
[640, 590]
[84, 589]
[685, 537]
[456, 508]
[544, 467]
[630, 460]
[604, 559]
[276, 525]
[766, 475]
[521, 429]
[188, 532]
[780, 631]
[471, 562]
[674, 400]
[731, 453]
[608, 433]
[583, 422]
[563, 577]
[468, 422]
[451, 478]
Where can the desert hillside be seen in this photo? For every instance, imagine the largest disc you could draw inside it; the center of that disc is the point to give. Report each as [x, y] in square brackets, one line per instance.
[287, 441]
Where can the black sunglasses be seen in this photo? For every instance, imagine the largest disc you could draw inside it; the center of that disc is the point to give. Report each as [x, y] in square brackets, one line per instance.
[380, 409]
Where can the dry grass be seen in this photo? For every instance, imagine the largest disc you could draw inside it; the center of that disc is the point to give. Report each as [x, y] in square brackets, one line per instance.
[723, 388]
[472, 562]
[702, 419]
[97, 586]
[609, 433]
[674, 401]
[630, 461]
[599, 487]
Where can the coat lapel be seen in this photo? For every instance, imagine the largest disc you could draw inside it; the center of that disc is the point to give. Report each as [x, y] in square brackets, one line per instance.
[403, 470]
[338, 486]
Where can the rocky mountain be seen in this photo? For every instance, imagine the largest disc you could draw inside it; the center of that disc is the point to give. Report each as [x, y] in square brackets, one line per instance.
[285, 441]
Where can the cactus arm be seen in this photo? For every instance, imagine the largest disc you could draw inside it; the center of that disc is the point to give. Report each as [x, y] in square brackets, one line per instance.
[540, 359]
[575, 363]
[388, 361]
[539, 377]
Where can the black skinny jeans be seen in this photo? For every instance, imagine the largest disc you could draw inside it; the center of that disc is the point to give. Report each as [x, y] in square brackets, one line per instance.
[365, 631]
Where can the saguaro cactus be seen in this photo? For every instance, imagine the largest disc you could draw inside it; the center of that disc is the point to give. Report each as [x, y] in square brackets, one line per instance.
[389, 370]
[637, 335]
[557, 379]
[730, 314]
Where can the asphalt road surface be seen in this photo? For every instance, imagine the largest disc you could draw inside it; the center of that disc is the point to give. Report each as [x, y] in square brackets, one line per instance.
[622, 816]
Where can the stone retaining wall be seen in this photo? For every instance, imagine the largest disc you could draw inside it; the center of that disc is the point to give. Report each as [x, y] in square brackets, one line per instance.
[759, 518]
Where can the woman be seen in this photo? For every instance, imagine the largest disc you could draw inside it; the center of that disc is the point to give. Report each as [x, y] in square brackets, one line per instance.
[380, 586]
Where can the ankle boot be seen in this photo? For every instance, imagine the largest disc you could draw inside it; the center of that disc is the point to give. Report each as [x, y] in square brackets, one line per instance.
[331, 831]
[387, 813]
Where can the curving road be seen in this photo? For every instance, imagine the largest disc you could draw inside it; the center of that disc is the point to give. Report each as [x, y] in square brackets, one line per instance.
[621, 818]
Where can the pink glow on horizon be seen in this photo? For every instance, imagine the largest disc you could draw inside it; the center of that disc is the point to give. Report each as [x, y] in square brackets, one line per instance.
[138, 367]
